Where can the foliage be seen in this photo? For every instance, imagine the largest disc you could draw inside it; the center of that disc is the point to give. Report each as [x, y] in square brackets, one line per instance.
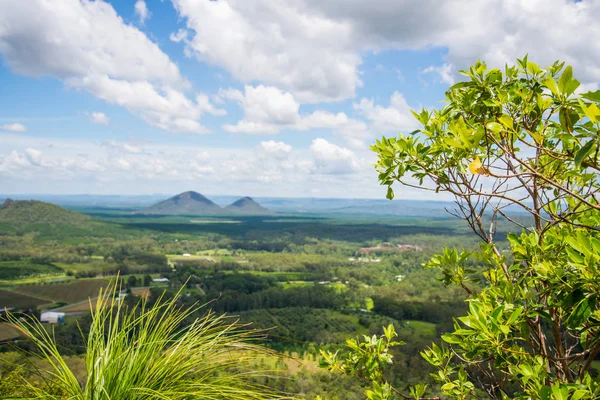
[367, 359]
[10, 270]
[49, 220]
[147, 353]
[515, 140]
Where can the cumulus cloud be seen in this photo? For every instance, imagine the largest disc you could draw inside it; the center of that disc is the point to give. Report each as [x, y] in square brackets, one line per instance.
[268, 110]
[87, 45]
[314, 48]
[333, 159]
[281, 43]
[141, 10]
[395, 117]
[99, 118]
[14, 127]
[274, 147]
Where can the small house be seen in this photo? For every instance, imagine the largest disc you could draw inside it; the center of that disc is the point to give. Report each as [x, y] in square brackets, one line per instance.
[186, 255]
[160, 280]
[52, 317]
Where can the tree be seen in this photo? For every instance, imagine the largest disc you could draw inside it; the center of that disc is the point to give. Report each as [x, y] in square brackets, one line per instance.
[131, 281]
[147, 280]
[518, 140]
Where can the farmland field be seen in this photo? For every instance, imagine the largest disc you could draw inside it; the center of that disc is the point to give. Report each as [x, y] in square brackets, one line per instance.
[11, 270]
[73, 292]
[20, 301]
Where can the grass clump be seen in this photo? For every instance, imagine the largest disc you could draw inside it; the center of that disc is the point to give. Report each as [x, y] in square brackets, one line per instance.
[161, 352]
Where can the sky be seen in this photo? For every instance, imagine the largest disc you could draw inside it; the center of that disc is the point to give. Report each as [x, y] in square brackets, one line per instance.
[274, 98]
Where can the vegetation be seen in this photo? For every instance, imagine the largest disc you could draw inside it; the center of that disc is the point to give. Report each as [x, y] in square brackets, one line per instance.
[48, 220]
[11, 270]
[146, 353]
[519, 139]
[304, 278]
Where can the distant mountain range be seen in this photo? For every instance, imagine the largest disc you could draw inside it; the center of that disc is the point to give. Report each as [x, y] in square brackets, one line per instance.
[287, 205]
[194, 203]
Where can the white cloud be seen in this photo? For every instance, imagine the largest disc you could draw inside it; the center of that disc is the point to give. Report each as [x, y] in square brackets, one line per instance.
[279, 43]
[29, 162]
[268, 110]
[179, 36]
[314, 48]
[14, 127]
[87, 45]
[99, 118]
[396, 117]
[444, 71]
[34, 156]
[333, 159]
[274, 147]
[141, 10]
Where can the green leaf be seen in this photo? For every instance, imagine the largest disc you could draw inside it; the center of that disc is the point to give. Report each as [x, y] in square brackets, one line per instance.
[583, 152]
[592, 112]
[565, 78]
[592, 96]
[551, 84]
[515, 315]
[506, 120]
[568, 118]
[581, 313]
[494, 127]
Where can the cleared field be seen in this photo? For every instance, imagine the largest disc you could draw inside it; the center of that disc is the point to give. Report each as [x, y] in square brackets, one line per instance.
[95, 265]
[73, 292]
[8, 332]
[19, 301]
[425, 329]
[142, 292]
[82, 306]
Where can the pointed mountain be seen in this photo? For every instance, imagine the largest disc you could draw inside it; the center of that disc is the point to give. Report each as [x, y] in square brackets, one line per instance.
[186, 203]
[247, 206]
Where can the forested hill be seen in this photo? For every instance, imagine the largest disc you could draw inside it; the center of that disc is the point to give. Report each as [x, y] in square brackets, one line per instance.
[48, 220]
[27, 212]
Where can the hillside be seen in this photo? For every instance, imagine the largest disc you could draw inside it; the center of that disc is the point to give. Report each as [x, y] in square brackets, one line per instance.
[186, 203]
[27, 212]
[247, 206]
[47, 220]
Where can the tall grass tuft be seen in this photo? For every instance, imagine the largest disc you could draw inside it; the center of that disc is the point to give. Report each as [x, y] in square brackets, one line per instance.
[151, 353]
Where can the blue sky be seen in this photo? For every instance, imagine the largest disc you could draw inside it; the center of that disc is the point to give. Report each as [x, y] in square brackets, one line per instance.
[262, 97]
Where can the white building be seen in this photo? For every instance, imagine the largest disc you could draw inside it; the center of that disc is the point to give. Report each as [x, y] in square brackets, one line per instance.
[52, 317]
[186, 255]
[160, 280]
